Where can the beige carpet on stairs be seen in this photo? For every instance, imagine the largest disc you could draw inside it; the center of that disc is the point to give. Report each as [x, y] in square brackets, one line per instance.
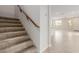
[13, 37]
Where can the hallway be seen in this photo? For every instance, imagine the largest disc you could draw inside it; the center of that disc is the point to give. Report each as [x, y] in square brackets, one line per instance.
[63, 29]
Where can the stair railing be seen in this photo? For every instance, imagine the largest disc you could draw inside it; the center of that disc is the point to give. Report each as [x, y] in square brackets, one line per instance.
[28, 17]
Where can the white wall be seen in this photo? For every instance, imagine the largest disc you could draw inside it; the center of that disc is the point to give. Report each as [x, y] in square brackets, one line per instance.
[39, 36]
[34, 13]
[44, 28]
[7, 10]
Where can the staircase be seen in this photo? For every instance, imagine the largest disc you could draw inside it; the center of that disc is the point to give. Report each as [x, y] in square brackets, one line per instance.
[13, 37]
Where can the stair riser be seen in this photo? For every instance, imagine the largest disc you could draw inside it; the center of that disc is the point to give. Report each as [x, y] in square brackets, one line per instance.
[11, 29]
[18, 48]
[8, 18]
[13, 41]
[11, 34]
[12, 21]
[9, 24]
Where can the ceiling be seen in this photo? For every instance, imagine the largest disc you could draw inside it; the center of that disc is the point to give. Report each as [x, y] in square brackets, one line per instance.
[64, 10]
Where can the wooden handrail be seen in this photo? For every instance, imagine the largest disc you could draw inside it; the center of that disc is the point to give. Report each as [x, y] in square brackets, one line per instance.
[28, 18]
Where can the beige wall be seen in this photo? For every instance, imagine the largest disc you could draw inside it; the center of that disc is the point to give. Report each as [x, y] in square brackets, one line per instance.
[7, 10]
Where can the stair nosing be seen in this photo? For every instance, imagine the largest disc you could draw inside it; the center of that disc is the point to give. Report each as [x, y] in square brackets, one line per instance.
[12, 32]
[3, 17]
[11, 29]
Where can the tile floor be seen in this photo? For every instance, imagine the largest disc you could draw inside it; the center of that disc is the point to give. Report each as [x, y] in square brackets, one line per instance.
[64, 42]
